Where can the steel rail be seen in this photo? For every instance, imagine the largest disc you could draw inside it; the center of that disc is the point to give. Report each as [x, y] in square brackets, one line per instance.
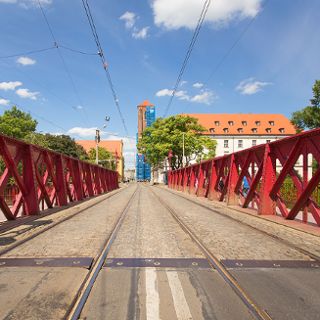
[34, 235]
[88, 283]
[254, 309]
[272, 236]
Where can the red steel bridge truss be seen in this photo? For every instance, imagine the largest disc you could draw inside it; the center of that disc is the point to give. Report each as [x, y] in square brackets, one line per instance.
[44, 179]
[283, 178]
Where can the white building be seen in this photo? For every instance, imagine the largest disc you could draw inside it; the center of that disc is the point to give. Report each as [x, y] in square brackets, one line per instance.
[234, 132]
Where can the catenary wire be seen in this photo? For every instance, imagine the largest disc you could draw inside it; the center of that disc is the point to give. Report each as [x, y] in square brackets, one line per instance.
[35, 114]
[188, 54]
[103, 60]
[75, 90]
[26, 53]
[234, 44]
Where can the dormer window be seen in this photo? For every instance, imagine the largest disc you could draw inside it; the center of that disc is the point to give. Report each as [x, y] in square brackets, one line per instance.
[244, 123]
[271, 123]
[212, 130]
[217, 123]
[268, 130]
[230, 123]
[240, 130]
[281, 130]
[254, 130]
[258, 123]
[225, 130]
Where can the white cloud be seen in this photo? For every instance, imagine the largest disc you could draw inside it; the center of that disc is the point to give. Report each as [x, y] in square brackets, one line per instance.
[205, 97]
[251, 86]
[4, 102]
[25, 61]
[140, 34]
[26, 94]
[11, 85]
[183, 82]
[198, 85]
[185, 14]
[77, 107]
[83, 132]
[26, 4]
[181, 94]
[129, 18]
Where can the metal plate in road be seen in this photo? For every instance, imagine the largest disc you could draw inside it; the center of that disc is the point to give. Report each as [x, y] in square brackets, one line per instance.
[236, 264]
[83, 262]
[178, 263]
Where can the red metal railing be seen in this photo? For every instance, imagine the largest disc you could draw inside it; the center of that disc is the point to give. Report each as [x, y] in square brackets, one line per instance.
[39, 176]
[268, 168]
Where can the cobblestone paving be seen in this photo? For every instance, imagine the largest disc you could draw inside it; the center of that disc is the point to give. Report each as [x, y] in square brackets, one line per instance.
[226, 238]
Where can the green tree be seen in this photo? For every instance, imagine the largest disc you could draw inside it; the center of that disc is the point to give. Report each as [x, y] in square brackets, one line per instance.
[58, 143]
[309, 117]
[16, 123]
[106, 158]
[168, 134]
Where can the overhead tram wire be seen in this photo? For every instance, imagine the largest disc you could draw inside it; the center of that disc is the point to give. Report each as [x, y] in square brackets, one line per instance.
[27, 53]
[188, 54]
[62, 58]
[104, 61]
[35, 114]
[235, 43]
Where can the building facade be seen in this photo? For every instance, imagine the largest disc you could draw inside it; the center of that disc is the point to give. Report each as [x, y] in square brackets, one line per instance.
[235, 132]
[146, 116]
[115, 147]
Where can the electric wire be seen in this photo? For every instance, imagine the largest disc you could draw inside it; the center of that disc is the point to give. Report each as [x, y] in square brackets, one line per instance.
[27, 53]
[103, 60]
[35, 114]
[188, 54]
[234, 44]
[68, 73]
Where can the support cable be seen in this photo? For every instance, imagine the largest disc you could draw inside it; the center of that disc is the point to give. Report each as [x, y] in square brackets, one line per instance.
[188, 54]
[103, 60]
[76, 92]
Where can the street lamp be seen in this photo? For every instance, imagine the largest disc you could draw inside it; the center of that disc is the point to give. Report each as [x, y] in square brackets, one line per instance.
[97, 138]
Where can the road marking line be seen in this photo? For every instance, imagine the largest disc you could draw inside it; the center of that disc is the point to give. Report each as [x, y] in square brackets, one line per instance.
[152, 295]
[179, 299]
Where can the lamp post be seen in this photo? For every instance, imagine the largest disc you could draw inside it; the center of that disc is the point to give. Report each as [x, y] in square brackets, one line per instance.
[183, 162]
[97, 138]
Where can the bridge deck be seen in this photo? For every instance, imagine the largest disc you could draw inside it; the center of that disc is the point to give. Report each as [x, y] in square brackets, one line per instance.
[170, 258]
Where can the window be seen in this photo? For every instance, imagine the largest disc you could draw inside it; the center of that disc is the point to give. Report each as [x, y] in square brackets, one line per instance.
[230, 123]
[212, 130]
[217, 123]
[240, 143]
[271, 123]
[254, 143]
[254, 130]
[225, 152]
[225, 130]
[268, 141]
[281, 130]
[226, 143]
[240, 130]
[244, 123]
[268, 130]
[258, 123]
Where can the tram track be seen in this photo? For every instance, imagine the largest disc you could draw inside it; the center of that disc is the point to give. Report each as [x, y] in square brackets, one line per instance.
[311, 255]
[49, 227]
[83, 293]
[257, 312]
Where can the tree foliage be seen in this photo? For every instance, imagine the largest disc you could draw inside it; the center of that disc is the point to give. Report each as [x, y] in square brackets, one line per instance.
[309, 117]
[166, 134]
[16, 123]
[58, 143]
[106, 158]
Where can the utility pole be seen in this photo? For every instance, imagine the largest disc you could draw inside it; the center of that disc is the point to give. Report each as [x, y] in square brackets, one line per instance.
[97, 138]
[183, 162]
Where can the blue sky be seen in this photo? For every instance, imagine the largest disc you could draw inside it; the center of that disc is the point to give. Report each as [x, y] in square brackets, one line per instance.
[270, 70]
